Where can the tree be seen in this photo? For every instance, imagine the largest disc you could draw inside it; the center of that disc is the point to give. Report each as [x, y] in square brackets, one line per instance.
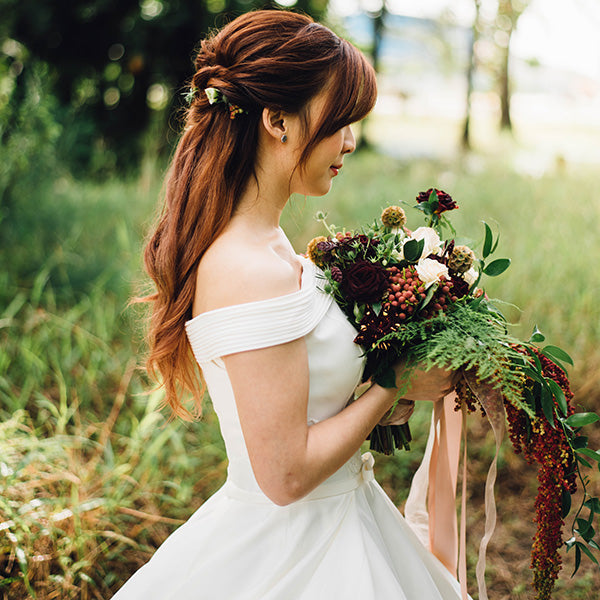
[471, 65]
[507, 16]
[115, 64]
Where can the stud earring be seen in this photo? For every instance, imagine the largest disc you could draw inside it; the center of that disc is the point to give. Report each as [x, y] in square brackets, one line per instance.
[284, 138]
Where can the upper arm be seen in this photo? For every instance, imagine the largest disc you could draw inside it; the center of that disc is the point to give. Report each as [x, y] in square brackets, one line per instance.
[271, 393]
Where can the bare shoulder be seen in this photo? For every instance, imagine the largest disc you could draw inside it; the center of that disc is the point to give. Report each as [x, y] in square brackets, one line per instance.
[233, 272]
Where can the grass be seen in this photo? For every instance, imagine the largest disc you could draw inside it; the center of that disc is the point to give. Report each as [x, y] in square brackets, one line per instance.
[93, 478]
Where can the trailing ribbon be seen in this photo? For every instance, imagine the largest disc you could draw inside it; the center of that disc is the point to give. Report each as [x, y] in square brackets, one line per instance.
[491, 400]
[431, 505]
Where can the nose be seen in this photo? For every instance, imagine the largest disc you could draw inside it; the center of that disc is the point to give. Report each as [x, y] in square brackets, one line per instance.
[349, 141]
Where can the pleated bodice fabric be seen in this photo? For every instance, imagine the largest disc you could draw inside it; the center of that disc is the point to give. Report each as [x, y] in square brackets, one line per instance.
[345, 540]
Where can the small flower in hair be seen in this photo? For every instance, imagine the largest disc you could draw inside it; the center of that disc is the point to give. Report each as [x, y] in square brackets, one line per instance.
[214, 95]
[190, 95]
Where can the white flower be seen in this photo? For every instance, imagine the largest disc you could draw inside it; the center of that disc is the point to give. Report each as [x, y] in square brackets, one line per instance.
[433, 244]
[429, 271]
[471, 276]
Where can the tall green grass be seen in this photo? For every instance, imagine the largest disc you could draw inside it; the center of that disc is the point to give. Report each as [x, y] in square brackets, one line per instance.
[92, 477]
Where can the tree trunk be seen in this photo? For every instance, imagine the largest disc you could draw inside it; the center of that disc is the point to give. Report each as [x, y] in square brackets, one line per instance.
[378, 20]
[505, 88]
[466, 136]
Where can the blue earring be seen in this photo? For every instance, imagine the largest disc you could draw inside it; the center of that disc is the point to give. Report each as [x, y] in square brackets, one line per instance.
[284, 138]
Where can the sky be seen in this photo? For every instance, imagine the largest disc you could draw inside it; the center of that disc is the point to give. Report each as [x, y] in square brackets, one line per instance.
[558, 33]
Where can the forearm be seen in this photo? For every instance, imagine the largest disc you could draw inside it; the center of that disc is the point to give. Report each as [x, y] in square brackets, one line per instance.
[330, 443]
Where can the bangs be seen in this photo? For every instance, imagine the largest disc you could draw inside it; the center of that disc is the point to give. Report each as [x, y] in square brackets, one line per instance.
[352, 92]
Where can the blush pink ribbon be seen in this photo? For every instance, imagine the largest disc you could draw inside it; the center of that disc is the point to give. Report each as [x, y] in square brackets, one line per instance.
[431, 505]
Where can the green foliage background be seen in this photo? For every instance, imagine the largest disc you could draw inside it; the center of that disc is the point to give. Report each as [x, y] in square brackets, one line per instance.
[92, 476]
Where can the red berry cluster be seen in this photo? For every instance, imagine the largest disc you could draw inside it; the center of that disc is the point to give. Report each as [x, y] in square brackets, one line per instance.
[443, 297]
[404, 293]
[542, 443]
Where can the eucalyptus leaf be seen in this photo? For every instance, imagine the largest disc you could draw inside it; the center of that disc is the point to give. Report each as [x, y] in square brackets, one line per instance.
[536, 336]
[559, 395]
[593, 504]
[554, 352]
[582, 419]
[589, 453]
[587, 552]
[413, 249]
[565, 503]
[577, 558]
[376, 308]
[497, 267]
[547, 404]
[489, 240]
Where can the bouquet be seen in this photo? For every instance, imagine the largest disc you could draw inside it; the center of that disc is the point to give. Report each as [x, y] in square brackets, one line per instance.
[416, 296]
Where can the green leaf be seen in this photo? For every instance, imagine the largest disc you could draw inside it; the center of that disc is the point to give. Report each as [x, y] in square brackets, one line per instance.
[589, 453]
[593, 504]
[547, 404]
[536, 360]
[559, 395]
[580, 441]
[387, 378]
[593, 544]
[556, 353]
[489, 240]
[577, 558]
[429, 296]
[497, 267]
[584, 462]
[376, 308]
[587, 551]
[582, 419]
[565, 503]
[536, 336]
[413, 250]
[533, 374]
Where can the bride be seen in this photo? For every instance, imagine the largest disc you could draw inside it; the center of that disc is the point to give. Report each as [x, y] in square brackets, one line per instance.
[300, 515]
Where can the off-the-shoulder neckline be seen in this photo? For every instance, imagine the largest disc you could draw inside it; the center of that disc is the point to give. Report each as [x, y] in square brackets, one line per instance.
[306, 277]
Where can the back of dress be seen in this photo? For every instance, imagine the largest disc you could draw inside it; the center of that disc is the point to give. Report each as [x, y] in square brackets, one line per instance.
[335, 362]
[345, 539]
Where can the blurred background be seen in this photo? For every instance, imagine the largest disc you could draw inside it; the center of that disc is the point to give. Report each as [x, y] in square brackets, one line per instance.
[495, 101]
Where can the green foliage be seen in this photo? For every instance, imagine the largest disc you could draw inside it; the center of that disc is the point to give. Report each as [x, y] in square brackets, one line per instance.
[105, 57]
[77, 428]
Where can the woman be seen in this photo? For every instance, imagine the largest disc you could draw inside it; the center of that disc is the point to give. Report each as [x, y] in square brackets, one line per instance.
[300, 516]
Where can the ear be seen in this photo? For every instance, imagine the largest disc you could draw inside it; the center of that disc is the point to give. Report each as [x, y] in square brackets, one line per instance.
[274, 122]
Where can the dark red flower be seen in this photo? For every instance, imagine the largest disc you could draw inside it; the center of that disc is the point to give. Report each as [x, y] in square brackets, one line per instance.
[445, 201]
[364, 281]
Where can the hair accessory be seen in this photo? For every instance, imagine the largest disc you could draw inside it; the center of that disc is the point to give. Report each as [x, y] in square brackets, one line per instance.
[284, 138]
[216, 96]
[190, 95]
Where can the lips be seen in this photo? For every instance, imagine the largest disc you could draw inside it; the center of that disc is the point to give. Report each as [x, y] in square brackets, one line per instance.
[335, 169]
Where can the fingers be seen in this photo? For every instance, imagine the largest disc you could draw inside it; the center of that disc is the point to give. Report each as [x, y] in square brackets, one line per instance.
[400, 415]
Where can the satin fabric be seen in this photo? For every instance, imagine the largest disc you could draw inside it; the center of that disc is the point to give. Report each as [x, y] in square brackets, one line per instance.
[343, 540]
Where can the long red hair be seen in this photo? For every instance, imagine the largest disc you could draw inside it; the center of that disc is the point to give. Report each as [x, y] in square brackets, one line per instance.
[270, 58]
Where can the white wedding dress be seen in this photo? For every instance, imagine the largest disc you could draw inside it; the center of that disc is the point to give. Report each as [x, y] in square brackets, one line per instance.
[344, 541]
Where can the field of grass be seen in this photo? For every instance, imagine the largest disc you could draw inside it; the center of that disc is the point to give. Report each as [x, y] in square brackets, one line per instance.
[93, 478]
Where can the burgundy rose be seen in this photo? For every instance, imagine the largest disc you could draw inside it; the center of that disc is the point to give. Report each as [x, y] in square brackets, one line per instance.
[364, 281]
[445, 201]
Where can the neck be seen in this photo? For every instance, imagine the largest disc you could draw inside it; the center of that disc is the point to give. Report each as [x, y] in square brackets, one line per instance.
[263, 202]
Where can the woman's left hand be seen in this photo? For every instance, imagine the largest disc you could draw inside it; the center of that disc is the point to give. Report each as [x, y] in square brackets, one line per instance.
[400, 415]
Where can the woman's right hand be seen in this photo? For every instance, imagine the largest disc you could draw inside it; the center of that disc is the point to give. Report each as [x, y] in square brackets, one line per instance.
[431, 385]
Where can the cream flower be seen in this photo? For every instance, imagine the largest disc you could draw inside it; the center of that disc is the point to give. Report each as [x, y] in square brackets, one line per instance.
[430, 270]
[433, 244]
[471, 276]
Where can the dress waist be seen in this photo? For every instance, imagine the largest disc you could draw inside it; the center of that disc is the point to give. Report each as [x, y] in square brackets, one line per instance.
[357, 471]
